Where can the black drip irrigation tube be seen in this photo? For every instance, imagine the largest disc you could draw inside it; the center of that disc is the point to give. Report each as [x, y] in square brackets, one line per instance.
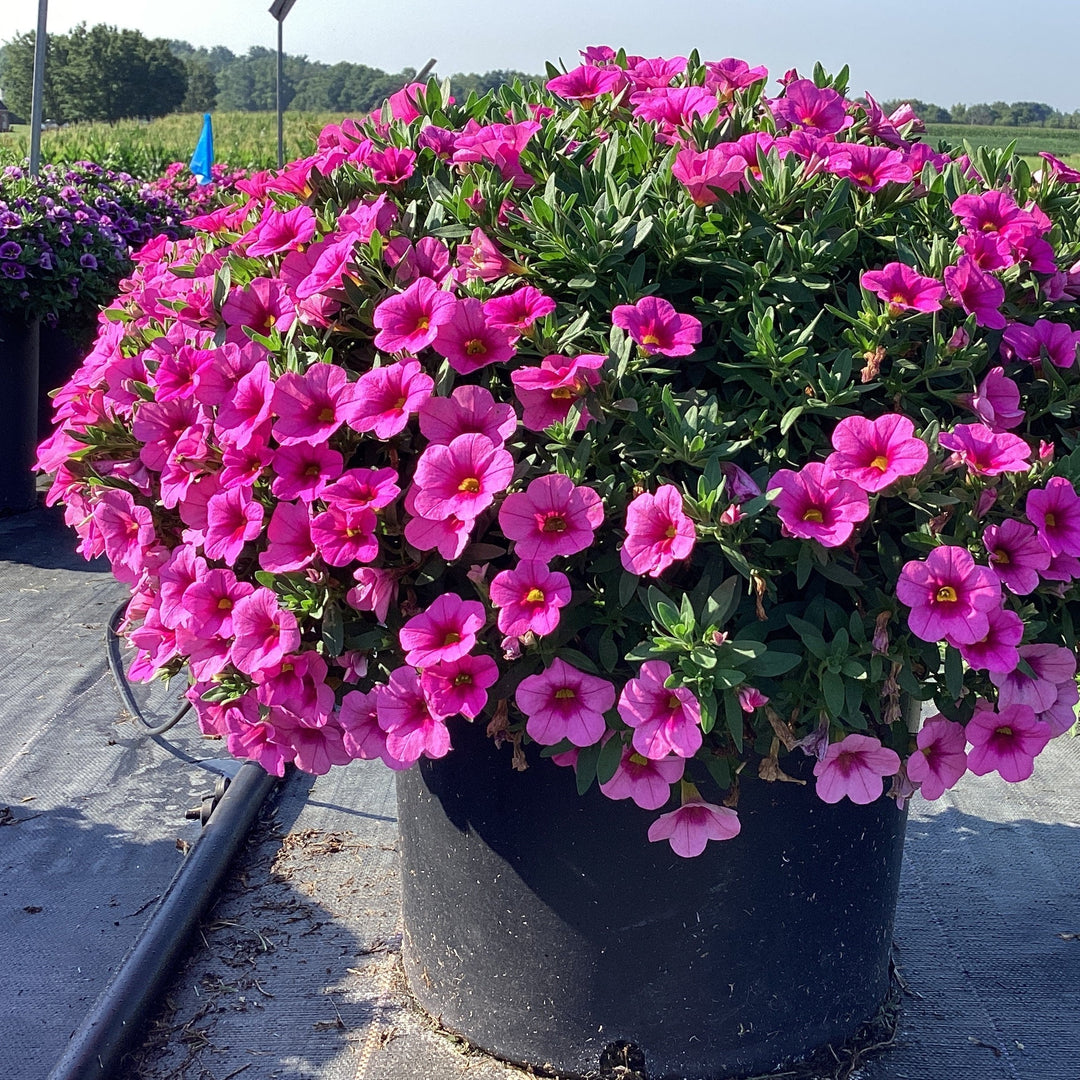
[119, 1014]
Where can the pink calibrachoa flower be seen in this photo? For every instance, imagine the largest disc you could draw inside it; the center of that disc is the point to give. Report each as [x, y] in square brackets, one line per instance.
[551, 517]
[529, 597]
[750, 698]
[363, 489]
[392, 165]
[949, 596]
[704, 173]
[462, 478]
[564, 703]
[658, 532]
[460, 686]
[265, 633]
[694, 824]
[362, 737]
[247, 407]
[333, 256]
[996, 401]
[673, 107]
[517, 311]
[413, 729]
[586, 83]
[1055, 513]
[410, 321]
[820, 110]
[299, 685]
[233, 518]
[345, 536]
[262, 306]
[127, 529]
[469, 409]
[318, 747]
[375, 591]
[647, 782]
[311, 406]
[1053, 666]
[469, 342]
[446, 631]
[941, 759]
[870, 167]
[874, 453]
[1059, 342]
[279, 231]
[657, 327]
[996, 651]
[985, 452]
[666, 720]
[855, 767]
[977, 292]
[904, 289]
[209, 601]
[1006, 742]
[1061, 715]
[303, 470]
[290, 546]
[482, 259]
[388, 396]
[550, 391]
[1017, 556]
[816, 503]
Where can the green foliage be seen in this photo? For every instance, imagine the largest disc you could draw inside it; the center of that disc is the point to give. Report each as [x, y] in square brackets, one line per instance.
[100, 73]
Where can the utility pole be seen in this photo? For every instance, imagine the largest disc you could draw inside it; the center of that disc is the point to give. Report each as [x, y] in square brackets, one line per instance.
[279, 9]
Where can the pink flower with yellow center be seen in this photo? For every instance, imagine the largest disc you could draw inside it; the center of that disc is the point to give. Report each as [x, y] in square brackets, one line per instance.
[529, 598]
[949, 596]
[460, 686]
[666, 720]
[820, 110]
[469, 409]
[658, 532]
[874, 453]
[941, 758]
[855, 768]
[646, 782]
[462, 478]
[410, 321]
[551, 517]
[445, 632]
[985, 452]
[586, 83]
[388, 396]
[413, 728]
[1055, 513]
[565, 703]
[996, 651]
[977, 292]
[312, 405]
[551, 390]
[468, 342]
[904, 289]
[1006, 742]
[657, 327]
[816, 503]
[1016, 555]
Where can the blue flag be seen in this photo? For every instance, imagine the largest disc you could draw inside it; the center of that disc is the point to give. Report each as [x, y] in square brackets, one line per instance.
[203, 157]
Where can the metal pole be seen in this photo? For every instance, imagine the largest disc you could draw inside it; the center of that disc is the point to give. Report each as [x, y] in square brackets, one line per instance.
[280, 123]
[426, 70]
[36, 103]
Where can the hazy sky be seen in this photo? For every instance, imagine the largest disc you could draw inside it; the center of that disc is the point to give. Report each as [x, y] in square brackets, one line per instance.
[938, 50]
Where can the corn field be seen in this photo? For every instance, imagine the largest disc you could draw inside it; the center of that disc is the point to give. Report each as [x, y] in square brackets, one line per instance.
[242, 140]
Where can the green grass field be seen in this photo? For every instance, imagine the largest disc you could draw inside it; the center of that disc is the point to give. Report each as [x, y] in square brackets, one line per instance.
[1061, 142]
[249, 141]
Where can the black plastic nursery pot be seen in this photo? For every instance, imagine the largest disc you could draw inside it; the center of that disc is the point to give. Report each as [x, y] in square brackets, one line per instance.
[546, 929]
[19, 427]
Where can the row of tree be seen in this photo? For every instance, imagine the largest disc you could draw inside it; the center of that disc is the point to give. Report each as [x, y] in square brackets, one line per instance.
[104, 73]
[996, 114]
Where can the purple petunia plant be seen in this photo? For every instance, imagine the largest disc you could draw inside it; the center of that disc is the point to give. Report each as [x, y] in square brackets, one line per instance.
[674, 421]
[66, 235]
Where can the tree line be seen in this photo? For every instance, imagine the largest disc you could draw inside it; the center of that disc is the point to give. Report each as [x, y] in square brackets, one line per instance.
[105, 73]
[994, 114]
